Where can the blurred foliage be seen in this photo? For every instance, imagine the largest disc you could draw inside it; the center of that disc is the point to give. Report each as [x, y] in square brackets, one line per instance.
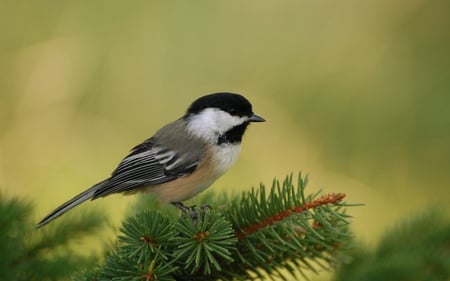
[32, 255]
[414, 250]
[356, 93]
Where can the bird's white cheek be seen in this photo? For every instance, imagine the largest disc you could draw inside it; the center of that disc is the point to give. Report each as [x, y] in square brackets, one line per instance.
[226, 156]
[212, 122]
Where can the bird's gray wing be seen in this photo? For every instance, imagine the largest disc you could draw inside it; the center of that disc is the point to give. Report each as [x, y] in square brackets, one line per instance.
[149, 163]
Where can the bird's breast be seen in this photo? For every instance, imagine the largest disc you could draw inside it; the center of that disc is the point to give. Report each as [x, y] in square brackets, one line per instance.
[225, 155]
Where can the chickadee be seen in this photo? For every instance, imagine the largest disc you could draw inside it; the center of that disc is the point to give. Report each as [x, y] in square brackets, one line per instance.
[183, 158]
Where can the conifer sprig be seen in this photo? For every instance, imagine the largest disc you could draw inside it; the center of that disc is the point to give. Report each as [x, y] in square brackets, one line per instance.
[259, 232]
[284, 225]
[146, 234]
[204, 244]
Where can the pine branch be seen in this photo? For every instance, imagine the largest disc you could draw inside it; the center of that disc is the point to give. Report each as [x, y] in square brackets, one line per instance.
[254, 233]
[285, 226]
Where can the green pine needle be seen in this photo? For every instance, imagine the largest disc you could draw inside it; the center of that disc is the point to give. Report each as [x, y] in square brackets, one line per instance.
[205, 243]
[145, 234]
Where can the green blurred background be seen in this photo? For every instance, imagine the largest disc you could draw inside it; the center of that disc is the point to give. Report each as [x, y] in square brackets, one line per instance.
[355, 93]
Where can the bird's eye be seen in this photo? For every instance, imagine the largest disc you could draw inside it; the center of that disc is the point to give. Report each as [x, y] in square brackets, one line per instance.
[233, 111]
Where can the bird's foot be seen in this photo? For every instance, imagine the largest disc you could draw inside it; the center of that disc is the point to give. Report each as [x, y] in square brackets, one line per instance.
[192, 211]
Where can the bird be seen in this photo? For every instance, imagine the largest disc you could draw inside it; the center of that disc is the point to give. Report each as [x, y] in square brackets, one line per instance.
[181, 159]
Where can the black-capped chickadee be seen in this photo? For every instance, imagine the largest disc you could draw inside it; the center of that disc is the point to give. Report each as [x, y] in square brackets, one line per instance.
[183, 158]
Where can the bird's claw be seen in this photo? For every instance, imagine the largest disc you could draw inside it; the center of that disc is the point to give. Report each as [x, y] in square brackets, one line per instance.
[193, 211]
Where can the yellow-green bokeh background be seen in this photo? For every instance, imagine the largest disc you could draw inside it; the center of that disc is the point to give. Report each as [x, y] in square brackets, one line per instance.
[355, 93]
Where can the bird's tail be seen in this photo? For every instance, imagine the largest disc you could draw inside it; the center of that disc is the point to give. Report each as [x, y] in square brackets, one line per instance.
[75, 201]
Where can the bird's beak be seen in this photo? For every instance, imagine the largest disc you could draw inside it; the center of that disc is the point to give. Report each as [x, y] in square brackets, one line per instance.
[256, 118]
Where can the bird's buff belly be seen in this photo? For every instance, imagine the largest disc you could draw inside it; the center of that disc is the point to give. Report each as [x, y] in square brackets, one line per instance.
[186, 187]
[183, 188]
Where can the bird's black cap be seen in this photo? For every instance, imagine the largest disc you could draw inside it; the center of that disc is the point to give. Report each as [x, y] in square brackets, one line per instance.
[234, 104]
